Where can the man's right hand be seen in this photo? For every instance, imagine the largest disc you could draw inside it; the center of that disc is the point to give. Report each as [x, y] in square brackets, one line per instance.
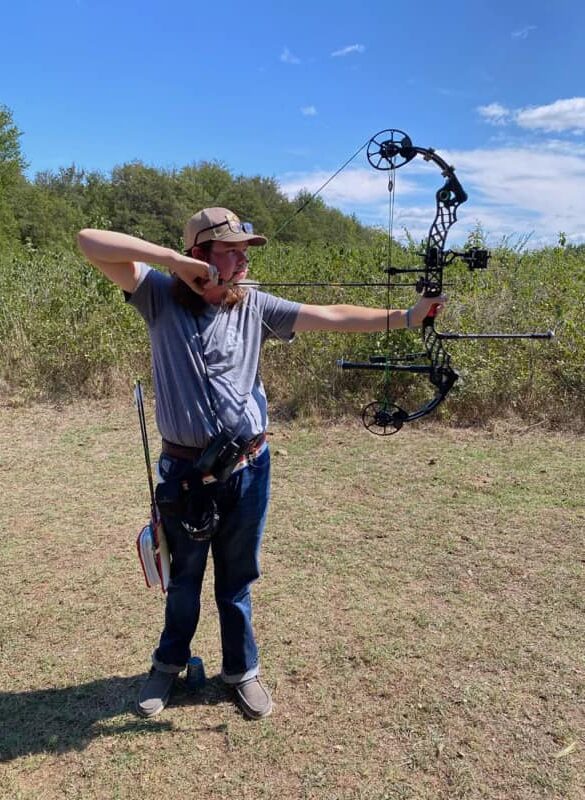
[198, 275]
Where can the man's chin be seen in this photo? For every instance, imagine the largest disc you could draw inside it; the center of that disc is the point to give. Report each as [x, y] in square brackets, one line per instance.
[215, 295]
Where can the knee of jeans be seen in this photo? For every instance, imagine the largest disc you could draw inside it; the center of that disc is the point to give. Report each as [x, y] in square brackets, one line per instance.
[235, 591]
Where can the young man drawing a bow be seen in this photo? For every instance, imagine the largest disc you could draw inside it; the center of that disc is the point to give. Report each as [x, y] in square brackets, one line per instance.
[206, 334]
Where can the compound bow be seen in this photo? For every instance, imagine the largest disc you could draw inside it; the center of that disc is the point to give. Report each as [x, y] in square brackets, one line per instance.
[389, 150]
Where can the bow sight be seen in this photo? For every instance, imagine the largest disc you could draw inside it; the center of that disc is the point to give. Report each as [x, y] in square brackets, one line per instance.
[474, 258]
[389, 150]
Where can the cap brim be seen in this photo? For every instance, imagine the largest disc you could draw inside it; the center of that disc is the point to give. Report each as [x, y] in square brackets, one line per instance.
[250, 238]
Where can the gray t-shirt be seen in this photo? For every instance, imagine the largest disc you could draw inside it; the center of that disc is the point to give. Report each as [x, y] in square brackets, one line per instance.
[206, 367]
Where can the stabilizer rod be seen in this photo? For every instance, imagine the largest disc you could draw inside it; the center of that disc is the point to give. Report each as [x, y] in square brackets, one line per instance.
[547, 335]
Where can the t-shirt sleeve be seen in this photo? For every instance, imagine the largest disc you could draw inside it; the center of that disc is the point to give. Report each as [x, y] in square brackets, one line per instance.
[151, 294]
[278, 316]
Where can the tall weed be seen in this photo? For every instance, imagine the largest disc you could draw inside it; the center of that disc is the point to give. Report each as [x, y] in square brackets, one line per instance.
[66, 332]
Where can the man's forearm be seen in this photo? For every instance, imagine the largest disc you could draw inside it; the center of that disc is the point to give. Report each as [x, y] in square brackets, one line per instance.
[349, 319]
[360, 319]
[111, 247]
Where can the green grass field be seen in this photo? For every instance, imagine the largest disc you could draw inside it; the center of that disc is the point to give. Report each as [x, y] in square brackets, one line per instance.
[420, 618]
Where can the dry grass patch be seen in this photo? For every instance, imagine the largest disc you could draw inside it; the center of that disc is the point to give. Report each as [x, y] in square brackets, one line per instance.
[420, 618]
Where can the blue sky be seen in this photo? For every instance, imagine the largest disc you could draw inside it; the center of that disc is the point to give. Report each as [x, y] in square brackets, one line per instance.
[291, 91]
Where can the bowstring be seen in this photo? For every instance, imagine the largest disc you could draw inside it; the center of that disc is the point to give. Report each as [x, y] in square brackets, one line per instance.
[316, 193]
[320, 379]
[311, 198]
[388, 285]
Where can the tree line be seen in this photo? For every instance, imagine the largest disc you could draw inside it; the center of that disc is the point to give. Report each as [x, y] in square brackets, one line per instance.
[65, 331]
[45, 212]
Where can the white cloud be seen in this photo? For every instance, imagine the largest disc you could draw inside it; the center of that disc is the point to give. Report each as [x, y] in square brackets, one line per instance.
[288, 58]
[346, 51]
[523, 33]
[495, 114]
[524, 189]
[309, 111]
[562, 115]
[447, 91]
[567, 146]
[514, 191]
[357, 186]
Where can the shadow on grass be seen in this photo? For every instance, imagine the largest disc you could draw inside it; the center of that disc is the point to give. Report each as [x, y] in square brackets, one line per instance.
[58, 720]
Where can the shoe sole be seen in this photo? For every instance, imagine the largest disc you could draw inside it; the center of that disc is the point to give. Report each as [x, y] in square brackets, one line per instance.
[253, 714]
[148, 714]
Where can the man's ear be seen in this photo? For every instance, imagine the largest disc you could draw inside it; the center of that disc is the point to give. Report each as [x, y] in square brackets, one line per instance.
[198, 253]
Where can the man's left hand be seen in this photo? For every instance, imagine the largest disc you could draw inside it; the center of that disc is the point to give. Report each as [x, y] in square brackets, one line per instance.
[423, 307]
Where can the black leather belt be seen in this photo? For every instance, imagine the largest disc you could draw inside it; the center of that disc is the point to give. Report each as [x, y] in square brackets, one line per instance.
[193, 453]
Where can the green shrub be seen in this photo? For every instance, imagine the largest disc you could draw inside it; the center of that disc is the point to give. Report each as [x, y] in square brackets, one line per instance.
[66, 332]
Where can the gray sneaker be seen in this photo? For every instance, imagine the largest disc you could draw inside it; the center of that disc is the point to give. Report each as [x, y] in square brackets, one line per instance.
[156, 692]
[253, 698]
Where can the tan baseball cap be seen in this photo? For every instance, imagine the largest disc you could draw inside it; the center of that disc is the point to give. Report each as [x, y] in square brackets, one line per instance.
[219, 225]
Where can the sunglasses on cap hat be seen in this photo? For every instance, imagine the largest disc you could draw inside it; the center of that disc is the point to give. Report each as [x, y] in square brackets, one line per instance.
[235, 227]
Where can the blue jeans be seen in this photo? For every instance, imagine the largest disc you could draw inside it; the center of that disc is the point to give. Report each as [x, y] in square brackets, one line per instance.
[242, 503]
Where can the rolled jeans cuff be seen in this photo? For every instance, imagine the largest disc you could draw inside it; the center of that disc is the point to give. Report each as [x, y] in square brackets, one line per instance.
[242, 676]
[172, 669]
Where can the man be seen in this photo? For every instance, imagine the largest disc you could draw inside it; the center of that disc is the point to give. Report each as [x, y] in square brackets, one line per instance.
[206, 333]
